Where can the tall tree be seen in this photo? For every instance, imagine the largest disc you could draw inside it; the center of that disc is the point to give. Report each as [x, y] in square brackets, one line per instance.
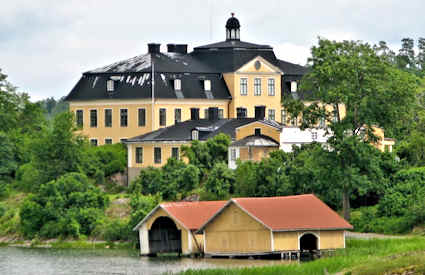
[406, 55]
[365, 90]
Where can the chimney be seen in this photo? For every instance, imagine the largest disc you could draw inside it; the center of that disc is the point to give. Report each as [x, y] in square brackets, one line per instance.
[213, 113]
[153, 47]
[260, 112]
[194, 113]
[181, 48]
[171, 48]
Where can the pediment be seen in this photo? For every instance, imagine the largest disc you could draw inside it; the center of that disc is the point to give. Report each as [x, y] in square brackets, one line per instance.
[259, 65]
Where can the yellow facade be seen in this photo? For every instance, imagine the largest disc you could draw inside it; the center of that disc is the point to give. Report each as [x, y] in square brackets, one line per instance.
[148, 153]
[234, 231]
[187, 248]
[255, 153]
[249, 130]
[289, 241]
[117, 132]
[249, 101]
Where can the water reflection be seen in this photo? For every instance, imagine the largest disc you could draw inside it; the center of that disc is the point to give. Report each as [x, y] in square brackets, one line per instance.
[103, 261]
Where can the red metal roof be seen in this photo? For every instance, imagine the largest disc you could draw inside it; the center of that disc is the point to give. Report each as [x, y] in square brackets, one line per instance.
[193, 214]
[293, 213]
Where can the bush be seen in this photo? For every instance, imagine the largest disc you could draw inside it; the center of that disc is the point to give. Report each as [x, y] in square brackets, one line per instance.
[219, 184]
[2, 210]
[117, 230]
[99, 177]
[28, 178]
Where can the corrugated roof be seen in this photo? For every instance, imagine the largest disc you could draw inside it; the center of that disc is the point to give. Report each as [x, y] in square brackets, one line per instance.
[192, 214]
[293, 213]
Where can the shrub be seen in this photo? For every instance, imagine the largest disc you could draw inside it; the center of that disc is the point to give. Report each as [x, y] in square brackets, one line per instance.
[2, 210]
[117, 230]
[28, 178]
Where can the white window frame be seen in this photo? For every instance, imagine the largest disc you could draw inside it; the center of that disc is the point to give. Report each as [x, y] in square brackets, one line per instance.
[97, 141]
[177, 84]
[243, 92]
[232, 154]
[257, 93]
[128, 117]
[294, 86]
[195, 135]
[271, 92]
[104, 140]
[97, 118]
[110, 85]
[104, 117]
[76, 117]
[314, 135]
[207, 85]
[271, 111]
[222, 113]
[283, 117]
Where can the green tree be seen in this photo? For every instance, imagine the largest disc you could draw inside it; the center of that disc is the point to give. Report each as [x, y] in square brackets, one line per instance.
[219, 184]
[355, 80]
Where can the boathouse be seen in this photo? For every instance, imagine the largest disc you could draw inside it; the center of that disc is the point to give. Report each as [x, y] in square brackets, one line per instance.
[273, 225]
[171, 227]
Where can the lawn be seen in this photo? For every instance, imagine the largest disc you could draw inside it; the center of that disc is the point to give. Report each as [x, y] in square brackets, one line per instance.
[375, 256]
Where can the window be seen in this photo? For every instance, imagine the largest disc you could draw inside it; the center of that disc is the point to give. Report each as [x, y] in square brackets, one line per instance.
[93, 142]
[162, 117]
[177, 115]
[244, 86]
[294, 121]
[257, 86]
[108, 117]
[322, 122]
[93, 118]
[294, 86]
[233, 154]
[240, 112]
[272, 114]
[142, 117]
[283, 116]
[257, 131]
[123, 117]
[110, 85]
[80, 118]
[220, 113]
[207, 85]
[335, 115]
[108, 140]
[314, 136]
[139, 155]
[270, 85]
[175, 153]
[157, 155]
[177, 84]
[122, 140]
[206, 113]
[195, 135]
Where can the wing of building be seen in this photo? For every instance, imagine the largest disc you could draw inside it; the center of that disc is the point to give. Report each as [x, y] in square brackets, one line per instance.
[157, 89]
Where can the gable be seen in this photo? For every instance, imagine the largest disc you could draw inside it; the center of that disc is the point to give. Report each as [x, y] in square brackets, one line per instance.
[233, 218]
[266, 130]
[259, 65]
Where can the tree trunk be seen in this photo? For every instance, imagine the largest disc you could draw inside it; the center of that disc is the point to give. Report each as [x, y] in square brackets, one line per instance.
[346, 204]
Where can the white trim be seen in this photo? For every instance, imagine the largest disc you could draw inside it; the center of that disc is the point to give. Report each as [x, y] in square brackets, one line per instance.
[189, 239]
[317, 235]
[272, 240]
[204, 237]
[94, 138]
[181, 113]
[119, 118]
[138, 125]
[104, 140]
[97, 117]
[274, 86]
[264, 62]
[261, 88]
[130, 156]
[258, 121]
[344, 237]
[144, 240]
[201, 101]
[160, 142]
[152, 212]
[240, 85]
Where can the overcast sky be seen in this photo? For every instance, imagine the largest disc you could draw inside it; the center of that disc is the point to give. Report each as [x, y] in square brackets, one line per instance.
[46, 45]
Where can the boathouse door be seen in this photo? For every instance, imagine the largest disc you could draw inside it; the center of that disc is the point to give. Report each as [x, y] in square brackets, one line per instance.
[309, 242]
[164, 236]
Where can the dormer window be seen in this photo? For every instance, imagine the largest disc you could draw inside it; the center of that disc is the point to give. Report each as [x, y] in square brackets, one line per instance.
[195, 135]
[110, 85]
[177, 84]
[294, 85]
[207, 85]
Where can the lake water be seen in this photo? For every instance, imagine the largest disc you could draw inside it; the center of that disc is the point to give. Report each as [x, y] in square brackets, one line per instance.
[49, 261]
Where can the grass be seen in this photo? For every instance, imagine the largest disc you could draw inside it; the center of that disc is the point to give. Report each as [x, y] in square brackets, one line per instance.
[375, 256]
[9, 221]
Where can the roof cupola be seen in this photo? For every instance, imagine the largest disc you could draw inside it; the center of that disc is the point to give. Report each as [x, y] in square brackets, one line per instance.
[232, 28]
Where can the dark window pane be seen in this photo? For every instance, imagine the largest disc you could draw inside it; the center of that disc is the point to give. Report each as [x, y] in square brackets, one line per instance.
[157, 155]
[93, 118]
[175, 152]
[142, 117]
[162, 117]
[108, 118]
[123, 117]
[139, 155]
[177, 115]
[240, 112]
[108, 141]
[80, 118]
[93, 142]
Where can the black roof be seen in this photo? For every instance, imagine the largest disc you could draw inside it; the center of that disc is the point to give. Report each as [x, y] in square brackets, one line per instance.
[233, 44]
[207, 129]
[233, 23]
[257, 141]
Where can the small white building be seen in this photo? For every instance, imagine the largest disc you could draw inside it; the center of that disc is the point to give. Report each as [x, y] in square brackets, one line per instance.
[292, 135]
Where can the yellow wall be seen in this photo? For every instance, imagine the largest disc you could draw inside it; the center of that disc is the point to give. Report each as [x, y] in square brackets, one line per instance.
[233, 231]
[184, 233]
[148, 153]
[284, 241]
[258, 153]
[249, 130]
[250, 100]
[116, 132]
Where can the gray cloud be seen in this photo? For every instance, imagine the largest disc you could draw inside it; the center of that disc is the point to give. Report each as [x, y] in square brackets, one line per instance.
[46, 45]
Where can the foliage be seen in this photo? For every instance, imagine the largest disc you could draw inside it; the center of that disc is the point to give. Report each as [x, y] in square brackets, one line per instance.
[28, 178]
[219, 184]
[68, 206]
